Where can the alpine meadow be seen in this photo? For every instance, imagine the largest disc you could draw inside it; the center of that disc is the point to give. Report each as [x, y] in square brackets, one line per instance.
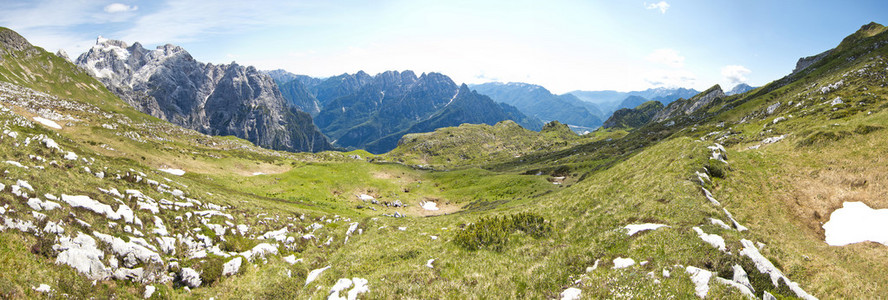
[156, 172]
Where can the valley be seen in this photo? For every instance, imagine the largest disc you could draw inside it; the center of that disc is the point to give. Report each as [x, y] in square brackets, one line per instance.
[119, 187]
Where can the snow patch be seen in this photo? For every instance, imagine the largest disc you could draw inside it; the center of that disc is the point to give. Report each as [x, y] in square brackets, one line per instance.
[856, 222]
[48, 122]
[429, 205]
[177, 172]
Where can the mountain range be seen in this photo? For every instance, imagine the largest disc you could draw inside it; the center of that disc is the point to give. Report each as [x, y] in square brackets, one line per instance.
[538, 102]
[774, 193]
[373, 112]
[227, 99]
[610, 101]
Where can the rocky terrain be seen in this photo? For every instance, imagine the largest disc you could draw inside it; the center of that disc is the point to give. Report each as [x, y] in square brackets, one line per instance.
[765, 194]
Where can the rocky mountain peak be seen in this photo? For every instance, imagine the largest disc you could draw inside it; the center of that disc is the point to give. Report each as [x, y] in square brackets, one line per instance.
[686, 107]
[102, 41]
[214, 99]
[11, 40]
[61, 53]
[739, 89]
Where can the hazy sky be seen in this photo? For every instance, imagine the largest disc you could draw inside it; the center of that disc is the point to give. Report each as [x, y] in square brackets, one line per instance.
[561, 45]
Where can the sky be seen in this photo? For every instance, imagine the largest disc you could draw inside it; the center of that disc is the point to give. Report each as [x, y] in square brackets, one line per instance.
[563, 46]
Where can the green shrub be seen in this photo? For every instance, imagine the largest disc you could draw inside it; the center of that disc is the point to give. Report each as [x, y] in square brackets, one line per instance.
[822, 137]
[237, 243]
[717, 169]
[210, 269]
[493, 233]
[865, 129]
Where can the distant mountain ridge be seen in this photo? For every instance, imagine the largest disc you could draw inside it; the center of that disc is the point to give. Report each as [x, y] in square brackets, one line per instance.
[610, 101]
[374, 112]
[537, 101]
[740, 89]
[227, 99]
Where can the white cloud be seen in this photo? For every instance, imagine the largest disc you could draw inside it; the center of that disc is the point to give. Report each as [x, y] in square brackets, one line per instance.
[119, 7]
[662, 6]
[735, 74]
[667, 57]
[671, 78]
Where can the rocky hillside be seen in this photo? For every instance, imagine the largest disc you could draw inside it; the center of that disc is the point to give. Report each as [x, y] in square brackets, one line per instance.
[686, 107]
[769, 194]
[629, 118]
[214, 99]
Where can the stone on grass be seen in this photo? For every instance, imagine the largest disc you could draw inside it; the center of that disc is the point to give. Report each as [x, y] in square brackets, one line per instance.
[620, 263]
[700, 278]
[636, 228]
[232, 266]
[81, 254]
[571, 294]
[149, 291]
[314, 274]
[190, 277]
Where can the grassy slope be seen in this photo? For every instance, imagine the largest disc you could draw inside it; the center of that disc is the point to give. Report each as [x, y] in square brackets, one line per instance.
[780, 191]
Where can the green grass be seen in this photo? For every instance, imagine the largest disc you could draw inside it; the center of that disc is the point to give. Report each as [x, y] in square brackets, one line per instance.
[536, 238]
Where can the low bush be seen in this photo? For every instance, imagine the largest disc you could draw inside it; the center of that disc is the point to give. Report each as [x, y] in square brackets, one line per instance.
[493, 233]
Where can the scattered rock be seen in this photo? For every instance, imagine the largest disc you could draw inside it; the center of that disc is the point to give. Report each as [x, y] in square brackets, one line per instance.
[836, 101]
[713, 239]
[636, 228]
[129, 274]
[81, 254]
[291, 259]
[43, 288]
[741, 277]
[571, 294]
[773, 107]
[620, 263]
[314, 274]
[700, 278]
[232, 266]
[149, 291]
[190, 277]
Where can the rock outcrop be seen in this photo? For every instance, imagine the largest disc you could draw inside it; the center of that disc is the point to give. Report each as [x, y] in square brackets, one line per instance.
[231, 99]
[806, 62]
[683, 107]
[629, 118]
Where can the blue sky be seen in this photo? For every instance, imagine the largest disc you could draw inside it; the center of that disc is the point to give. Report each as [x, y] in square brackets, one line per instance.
[561, 45]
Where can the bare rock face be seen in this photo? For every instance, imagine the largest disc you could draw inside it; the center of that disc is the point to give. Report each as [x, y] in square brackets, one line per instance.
[231, 99]
[806, 62]
[686, 107]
